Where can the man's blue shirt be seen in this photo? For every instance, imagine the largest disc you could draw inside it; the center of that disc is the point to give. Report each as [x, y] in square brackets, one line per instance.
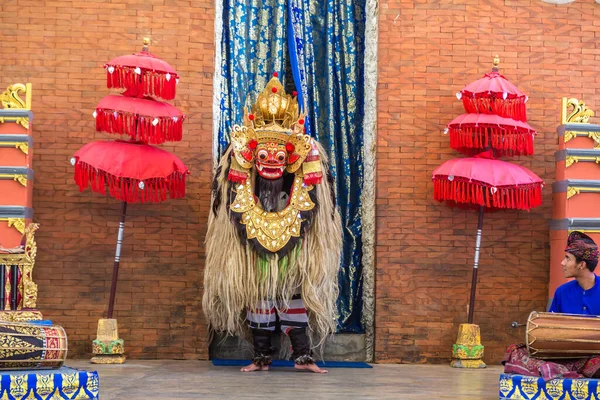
[570, 298]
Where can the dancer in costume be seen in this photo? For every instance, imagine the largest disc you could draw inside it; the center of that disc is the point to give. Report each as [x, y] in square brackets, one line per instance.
[274, 234]
[579, 296]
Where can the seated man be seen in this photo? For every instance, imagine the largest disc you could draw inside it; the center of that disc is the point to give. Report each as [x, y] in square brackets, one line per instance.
[579, 296]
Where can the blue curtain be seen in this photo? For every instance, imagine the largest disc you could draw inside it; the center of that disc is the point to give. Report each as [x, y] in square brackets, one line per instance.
[253, 46]
[326, 47]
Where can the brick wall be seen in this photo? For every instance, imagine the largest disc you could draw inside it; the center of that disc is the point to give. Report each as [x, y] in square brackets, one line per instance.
[428, 51]
[60, 47]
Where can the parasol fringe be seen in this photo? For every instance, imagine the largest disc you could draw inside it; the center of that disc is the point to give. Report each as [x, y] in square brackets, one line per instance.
[470, 140]
[475, 194]
[148, 83]
[139, 127]
[514, 108]
[126, 189]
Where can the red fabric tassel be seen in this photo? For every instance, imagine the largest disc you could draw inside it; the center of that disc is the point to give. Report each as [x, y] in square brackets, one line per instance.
[148, 83]
[494, 104]
[139, 127]
[127, 189]
[474, 194]
[471, 140]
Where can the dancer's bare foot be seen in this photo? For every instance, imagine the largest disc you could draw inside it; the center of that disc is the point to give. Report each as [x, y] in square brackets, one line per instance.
[253, 367]
[311, 368]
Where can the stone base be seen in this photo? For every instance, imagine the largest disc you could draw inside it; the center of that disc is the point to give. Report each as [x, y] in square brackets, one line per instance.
[339, 347]
[108, 359]
[62, 383]
[467, 352]
[474, 364]
[107, 347]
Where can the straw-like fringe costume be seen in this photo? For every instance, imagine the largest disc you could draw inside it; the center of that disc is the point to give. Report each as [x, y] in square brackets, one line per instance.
[274, 234]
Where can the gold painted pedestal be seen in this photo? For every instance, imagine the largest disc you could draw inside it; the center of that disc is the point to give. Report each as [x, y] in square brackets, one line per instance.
[467, 352]
[107, 347]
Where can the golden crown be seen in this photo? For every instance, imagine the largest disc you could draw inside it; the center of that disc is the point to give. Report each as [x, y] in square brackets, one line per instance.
[275, 111]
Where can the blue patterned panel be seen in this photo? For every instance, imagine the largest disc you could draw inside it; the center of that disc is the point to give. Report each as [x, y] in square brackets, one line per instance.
[63, 383]
[534, 388]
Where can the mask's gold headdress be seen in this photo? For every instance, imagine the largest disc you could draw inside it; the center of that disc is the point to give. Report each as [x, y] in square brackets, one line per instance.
[275, 131]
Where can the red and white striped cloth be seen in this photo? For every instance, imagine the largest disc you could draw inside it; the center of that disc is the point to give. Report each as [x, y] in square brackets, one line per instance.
[267, 314]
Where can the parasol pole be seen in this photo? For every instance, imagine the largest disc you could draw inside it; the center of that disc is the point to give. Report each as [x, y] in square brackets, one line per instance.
[475, 265]
[113, 286]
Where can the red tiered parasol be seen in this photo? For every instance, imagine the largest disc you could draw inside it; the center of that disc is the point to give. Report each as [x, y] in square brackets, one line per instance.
[496, 118]
[147, 120]
[469, 133]
[494, 94]
[484, 183]
[134, 171]
[496, 125]
[481, 181]
[142, 74]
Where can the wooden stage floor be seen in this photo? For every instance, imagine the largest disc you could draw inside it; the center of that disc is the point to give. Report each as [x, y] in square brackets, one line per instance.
[201, 380]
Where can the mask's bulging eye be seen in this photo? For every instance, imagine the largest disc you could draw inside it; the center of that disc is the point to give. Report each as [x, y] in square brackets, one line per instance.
[280, 156]
[262, 155]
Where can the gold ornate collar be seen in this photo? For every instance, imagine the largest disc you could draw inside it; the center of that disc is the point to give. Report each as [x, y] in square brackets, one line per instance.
[273, 230]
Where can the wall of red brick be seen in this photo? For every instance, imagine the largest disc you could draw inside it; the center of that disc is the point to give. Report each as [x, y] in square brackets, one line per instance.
[60, 47]
[428, 51]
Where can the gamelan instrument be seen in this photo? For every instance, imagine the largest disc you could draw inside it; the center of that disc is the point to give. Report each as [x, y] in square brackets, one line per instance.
[32, 346]
[554, 335]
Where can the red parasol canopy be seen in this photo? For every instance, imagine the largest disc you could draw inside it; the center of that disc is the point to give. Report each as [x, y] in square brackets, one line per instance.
[471, 133]
[133, 171]
[147, 120]
[484, 182]
[142, 74]
[494, 94]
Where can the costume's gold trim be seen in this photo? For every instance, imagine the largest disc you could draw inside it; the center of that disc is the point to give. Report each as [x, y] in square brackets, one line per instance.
[303, 146]
[274, 118]
[10, 99]
[310, 167]
[240, 137]
[21, 178]
[274, 106]
[273, 230]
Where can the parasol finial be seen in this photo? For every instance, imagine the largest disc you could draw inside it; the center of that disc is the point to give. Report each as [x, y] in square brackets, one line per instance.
[146, 42]
[496, 63]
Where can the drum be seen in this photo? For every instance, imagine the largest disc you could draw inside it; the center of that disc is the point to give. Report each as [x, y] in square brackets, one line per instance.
[32, 346]
[553, 335]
